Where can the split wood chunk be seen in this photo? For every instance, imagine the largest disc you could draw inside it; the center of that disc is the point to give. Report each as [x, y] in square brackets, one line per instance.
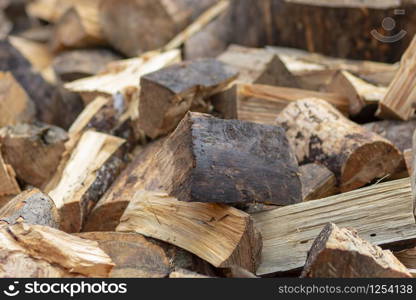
[79, 27]
[30, 207]
[156, 22]
[401, 95]
[359, 93]
[413, 172]
[77, 64]
[319, 133]
[238, 272]
[182, 273]
[38, 33]
[341, 253]
[8, 183]
[262, 103]
[15, 104]
[228, 236]
[84, 178]
[226, 161]
[34, 151]
[382, 214]
[407, 257]
[258, 66]
[398, 132]
[167, 95]
[317, 182]
[408, 159]
[122, 77]
[41, 251]
[49, 10]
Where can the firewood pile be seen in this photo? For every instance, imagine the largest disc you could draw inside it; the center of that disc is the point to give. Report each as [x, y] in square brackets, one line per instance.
[206, 138]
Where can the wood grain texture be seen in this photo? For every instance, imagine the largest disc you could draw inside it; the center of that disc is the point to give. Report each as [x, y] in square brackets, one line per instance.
[317, 182]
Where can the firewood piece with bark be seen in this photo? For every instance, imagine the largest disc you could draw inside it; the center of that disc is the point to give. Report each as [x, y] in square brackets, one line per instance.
[317, 182]
[341, 253]
[30, 207]
[401, 94]
[226, 161]
[34, 151]
[381, 213]
[156, 22]
[258, 66]
[41, 251]
[229, 235]
[15, 104]
[319, 133]
[167, 95]
[8, 183]
[84, 178]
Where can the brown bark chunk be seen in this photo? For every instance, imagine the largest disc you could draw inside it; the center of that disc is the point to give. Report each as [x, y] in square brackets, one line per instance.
[317, 182]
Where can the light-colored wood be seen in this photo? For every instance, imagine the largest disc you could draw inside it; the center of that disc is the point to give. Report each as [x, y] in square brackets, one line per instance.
[407, 257]
[408, 158]
[221, 235]
[317, 182]
[181, 273]
[41, 251]
[319, 133]
[382, 214]
[341, 253]
[8, 183]
[380, 4]
[81, 181]
[413, 173]
[49, 10]
[15, 104]
[401, 95]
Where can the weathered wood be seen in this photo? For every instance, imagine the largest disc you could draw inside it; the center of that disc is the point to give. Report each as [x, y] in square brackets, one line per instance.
[319, 133]
[15, 104]
[317, 182]
[34, 151]
[34, 251]
[182, 273]
[84, 178]
[408, 159]
[413, 173]
[407, 257]
[49, 10]
[8, 183]
[229, 236]
[30, 207]
[341, 253]
[401, 94]
[167, 95]
[382, 214]
[258, 66]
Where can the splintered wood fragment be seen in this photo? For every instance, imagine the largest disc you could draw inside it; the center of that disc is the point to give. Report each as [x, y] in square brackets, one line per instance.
[317, 182]
[407, 257]
[156, 22]
[401, 94]
[85, 177]
[319, 133]
[382, 214]
[227, 161]
[30, 207]
[79, 27]
[398, 132]
[41, 251]
[34, 151]
[413, 173]
[408, 159]
[77, 64]
[341, 253]
[167, 95]
[49, 10]
[359, 93]
[228, 236]
[122, 76]
[258, 66]
[15, 104]
[8, 183]
[238, 272]
[182, 273]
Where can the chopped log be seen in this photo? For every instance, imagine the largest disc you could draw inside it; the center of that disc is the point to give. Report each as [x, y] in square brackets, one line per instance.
[77, 64]
[156, 22]
[408, 158]
[258, 66]
[8, 183]
[15, 104]
[122, 77]
[317, 182]
[319, 133]
[167, 95]
[31, 207]
[238, 272]
[359, 93]
[401, 94]
[413, 173]
[382, 214]
[407, 257]
[34, 251]
[182, 273]
[79, 27]
[227, 231]
[84, 178]
[49, 10]
[34, 151]
[398, 132]
[227, 161]
[341, 253]
[262, 103]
